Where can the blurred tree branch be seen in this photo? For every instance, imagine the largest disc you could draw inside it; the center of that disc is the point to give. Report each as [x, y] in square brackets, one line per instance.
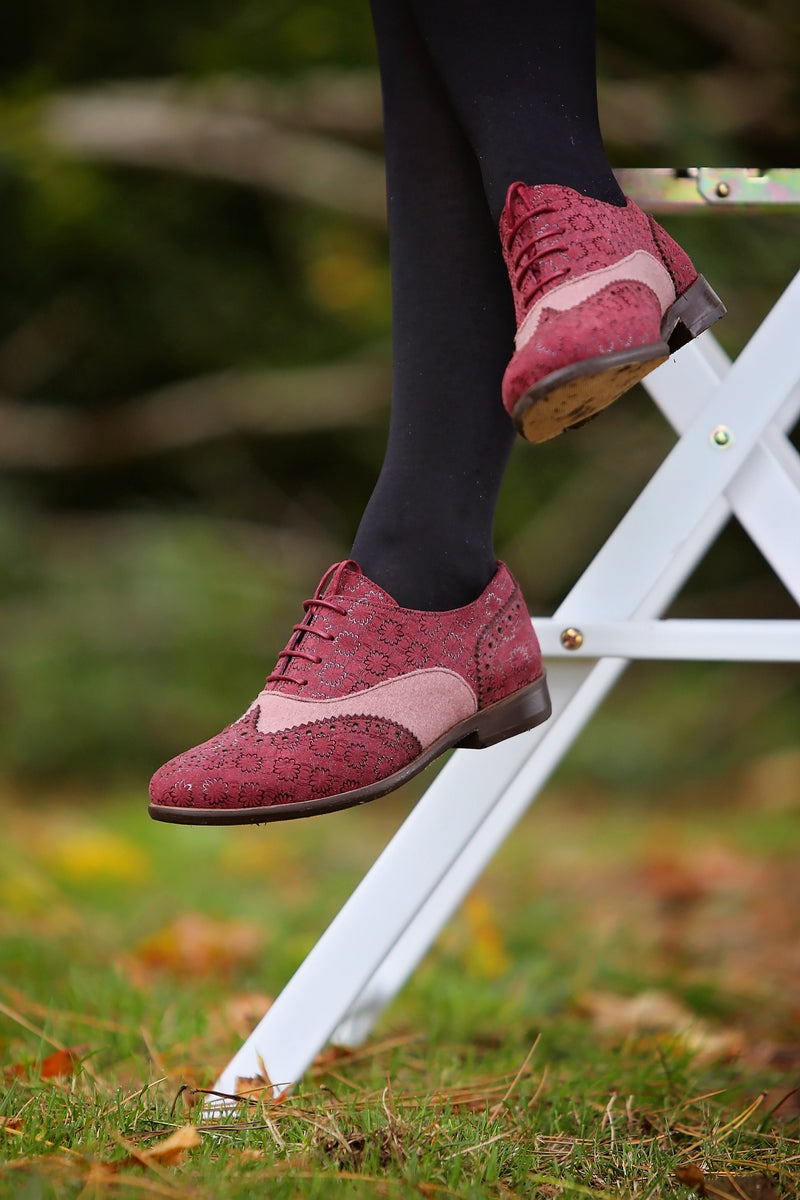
[330, 396]
[225, 133]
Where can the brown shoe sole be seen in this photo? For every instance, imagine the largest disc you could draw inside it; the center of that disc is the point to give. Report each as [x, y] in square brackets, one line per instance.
[523, 710]
[571, 396]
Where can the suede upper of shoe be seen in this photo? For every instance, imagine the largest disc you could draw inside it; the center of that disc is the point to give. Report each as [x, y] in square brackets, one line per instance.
[374, 639]
[588, 278]
[621, 316]
[552, 236]
[361, 689]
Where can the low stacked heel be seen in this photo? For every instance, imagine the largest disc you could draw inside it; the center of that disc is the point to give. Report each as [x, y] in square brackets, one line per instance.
[516, 714]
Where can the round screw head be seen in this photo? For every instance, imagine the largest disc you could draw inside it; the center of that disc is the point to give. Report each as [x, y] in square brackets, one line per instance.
[723, 189]
[721, 436]
[572, 639]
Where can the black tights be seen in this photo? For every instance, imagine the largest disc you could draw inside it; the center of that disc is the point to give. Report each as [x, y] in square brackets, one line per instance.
[476, 95]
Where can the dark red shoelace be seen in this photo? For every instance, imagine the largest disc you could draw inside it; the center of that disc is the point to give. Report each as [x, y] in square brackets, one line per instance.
[531, 249]
[329, 580]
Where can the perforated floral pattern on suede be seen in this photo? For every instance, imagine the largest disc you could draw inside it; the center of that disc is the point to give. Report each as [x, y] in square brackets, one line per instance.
[619, 317]
[242, 768]
[506, 662]
[362, 638]
[589, 233]
[374, 639]
[675, 259]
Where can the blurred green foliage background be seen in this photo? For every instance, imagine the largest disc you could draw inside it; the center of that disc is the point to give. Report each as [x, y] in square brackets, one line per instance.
[195, 364]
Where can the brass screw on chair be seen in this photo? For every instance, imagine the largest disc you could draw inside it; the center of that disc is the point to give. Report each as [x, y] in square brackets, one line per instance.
[721, 436]
[723, 189]
[572, 639]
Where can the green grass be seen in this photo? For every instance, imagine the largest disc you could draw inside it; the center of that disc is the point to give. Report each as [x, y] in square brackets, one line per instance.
[511, 1065]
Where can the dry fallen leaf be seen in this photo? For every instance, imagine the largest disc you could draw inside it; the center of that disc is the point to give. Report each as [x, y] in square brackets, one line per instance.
[197, 945]
[739, 1187]
[253, 1087]
[678, 880]
[658, 1012]
[330, 1056]
[691, 1175]
[56, 1066]
[649, 1010]
[726, 1186]
[99, 1173]
[170, 1152]
[62, 1062]
[670, 881]
[711, 1045]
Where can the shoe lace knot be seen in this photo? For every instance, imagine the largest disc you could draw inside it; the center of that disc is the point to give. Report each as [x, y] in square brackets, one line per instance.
[306, 628]
[532, 244]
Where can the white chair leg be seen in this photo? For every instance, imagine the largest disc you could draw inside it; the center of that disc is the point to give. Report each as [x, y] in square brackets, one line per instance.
[403, 901]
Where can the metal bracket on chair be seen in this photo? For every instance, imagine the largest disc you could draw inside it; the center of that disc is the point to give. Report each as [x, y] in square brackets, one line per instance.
[662, 189]
[693, 640]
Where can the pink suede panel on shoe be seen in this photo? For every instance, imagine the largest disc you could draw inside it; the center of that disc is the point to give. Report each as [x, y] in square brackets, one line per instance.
[243, 768]
[622, 316]
[427, 703]
[639, 267]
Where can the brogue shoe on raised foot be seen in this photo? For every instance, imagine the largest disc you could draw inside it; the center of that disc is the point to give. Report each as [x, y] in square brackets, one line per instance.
[364, 695]
[603, 295]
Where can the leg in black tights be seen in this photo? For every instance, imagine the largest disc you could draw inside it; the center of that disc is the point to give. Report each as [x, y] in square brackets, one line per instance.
[522, 79]
[426, 535]
[474, 98]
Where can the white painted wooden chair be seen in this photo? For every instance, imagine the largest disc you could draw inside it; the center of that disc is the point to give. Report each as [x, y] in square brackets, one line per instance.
[732, 456]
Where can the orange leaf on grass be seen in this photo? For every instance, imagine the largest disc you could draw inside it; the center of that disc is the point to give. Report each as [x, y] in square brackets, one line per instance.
[171, 1151]
[691, 1175]
[253, 1087]
[62, 1062]
[56, 1066]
